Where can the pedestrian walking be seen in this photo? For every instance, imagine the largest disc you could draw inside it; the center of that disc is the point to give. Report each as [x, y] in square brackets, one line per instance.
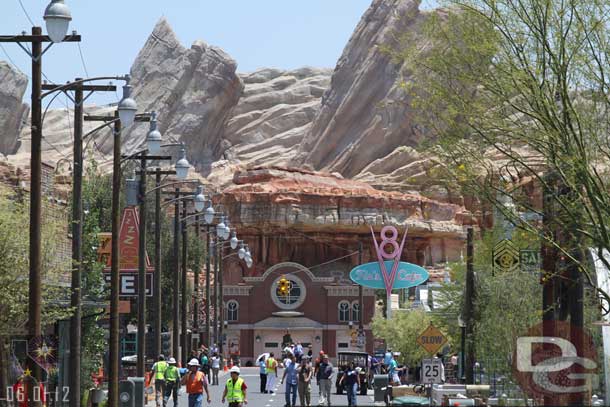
[263, 373]
[326, 374]
[215, 368]
[316, 372]
[158, 373]
[214, 349]
[298, 352]
[292, 381]
[305, 372]
[271, 373]
[205, 363]
[235, 390]
[392, 367]
[350, 380]
[196, 384]
[172, 382]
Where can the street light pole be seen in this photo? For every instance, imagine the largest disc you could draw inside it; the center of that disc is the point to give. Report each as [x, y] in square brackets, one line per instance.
[185, 353]
[113, 374]
[77, 249]
[215, 248]
[176, 296]
[208, 272]
[196, 282]
[220, 301]
[157, 277]
[141, 344]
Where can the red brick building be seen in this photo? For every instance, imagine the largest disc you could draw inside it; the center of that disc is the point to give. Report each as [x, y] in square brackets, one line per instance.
[309, 227]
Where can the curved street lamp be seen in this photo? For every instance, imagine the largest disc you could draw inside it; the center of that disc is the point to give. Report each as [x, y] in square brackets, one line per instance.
[153, 138]
[127, 107]
[182, 165]
[234, 241]
[199, 199]
[209, 214]
[57, 17]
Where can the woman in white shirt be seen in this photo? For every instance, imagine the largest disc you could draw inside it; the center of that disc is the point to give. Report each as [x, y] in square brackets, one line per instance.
[215, 368]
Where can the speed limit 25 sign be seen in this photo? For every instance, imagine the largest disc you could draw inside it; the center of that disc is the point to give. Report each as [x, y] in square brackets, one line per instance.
[431, 372]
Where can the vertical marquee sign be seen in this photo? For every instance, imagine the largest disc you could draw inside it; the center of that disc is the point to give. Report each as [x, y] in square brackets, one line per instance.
[401, 274]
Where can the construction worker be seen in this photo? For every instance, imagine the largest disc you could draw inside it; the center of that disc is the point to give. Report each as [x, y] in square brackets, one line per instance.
[271, 373]
[196, 384]
[235, 390]
[158, 373]
[172, 380]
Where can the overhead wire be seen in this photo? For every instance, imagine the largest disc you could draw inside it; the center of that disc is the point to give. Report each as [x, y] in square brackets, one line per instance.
[26, 13]
[82, 59]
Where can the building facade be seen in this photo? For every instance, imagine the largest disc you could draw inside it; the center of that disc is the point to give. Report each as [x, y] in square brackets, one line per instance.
[321, 311]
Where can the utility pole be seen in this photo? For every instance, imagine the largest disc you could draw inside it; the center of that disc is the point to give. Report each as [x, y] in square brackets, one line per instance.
[141, 362]
[77, 224]
[216, 240]
[196, 285]
[157, 277]
[220, 298]
[469, 299]
[208, 273]
[176, 296]
[77, 249]
[113, 374]
[360, 294]
[185, 347]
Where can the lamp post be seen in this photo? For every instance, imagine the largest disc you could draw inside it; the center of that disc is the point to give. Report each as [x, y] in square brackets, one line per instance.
[462, 326]
[77, 222]
[57, 17]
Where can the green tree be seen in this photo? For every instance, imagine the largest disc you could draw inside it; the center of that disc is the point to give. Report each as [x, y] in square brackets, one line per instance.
[515, 92]
[401, 332]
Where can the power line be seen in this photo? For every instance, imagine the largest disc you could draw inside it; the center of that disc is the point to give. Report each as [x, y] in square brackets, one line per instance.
[8, 56]
[26, 13]
[82, 59]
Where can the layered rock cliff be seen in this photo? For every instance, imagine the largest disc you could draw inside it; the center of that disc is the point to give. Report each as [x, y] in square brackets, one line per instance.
[354, 121]
[13, 113]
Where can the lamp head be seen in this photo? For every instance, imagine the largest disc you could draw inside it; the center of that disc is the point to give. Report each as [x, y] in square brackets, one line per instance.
[57, 17]
[199, 199]
[209, 214]
[241, 253]
[221, 227]
[234, 241]
[182, 165]
[127, 107]
[154, 138]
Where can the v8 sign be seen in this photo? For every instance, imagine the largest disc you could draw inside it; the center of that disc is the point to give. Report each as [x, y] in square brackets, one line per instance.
[432, 371]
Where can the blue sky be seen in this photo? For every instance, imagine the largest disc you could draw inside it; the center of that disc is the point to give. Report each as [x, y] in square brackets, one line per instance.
[259, 33]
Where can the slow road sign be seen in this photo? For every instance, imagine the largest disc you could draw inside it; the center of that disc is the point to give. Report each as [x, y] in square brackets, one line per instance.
[431, 339]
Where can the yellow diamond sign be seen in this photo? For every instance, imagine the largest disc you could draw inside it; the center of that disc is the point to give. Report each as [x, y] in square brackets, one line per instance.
[432, 339]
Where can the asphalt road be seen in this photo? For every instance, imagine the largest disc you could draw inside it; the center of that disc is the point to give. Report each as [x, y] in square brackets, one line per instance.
[256, 399]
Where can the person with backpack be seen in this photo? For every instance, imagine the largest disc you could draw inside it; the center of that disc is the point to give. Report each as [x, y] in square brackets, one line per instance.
[205, 363]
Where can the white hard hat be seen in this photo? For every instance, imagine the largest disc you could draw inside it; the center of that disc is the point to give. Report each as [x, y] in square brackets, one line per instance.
[172, 361]
[193, 362]
[234, 369]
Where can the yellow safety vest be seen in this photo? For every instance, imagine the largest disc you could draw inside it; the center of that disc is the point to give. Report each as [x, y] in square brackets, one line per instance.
[270, 363]
[160, 370]
[172, 374]
[234, 392]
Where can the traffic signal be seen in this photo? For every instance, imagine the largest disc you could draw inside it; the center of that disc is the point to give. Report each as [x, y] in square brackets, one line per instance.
[284, 286]
[166, 343]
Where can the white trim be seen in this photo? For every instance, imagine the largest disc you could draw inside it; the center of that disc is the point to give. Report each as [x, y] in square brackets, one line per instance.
[237, 290]
[331, 327]
[357, 302]
[349, 311]
[299, 267]
[236, 310]
[347, 291]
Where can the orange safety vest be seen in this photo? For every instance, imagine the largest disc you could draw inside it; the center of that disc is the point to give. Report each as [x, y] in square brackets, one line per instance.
[194, 386]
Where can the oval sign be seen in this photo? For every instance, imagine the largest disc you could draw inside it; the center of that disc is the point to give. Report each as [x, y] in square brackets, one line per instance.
[408, 275]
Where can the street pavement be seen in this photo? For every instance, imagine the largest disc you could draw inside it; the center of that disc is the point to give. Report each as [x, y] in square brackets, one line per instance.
[256, 399]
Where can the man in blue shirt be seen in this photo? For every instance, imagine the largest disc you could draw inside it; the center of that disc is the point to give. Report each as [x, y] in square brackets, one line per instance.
[263, 372]
[292, 380]
[393, 372]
